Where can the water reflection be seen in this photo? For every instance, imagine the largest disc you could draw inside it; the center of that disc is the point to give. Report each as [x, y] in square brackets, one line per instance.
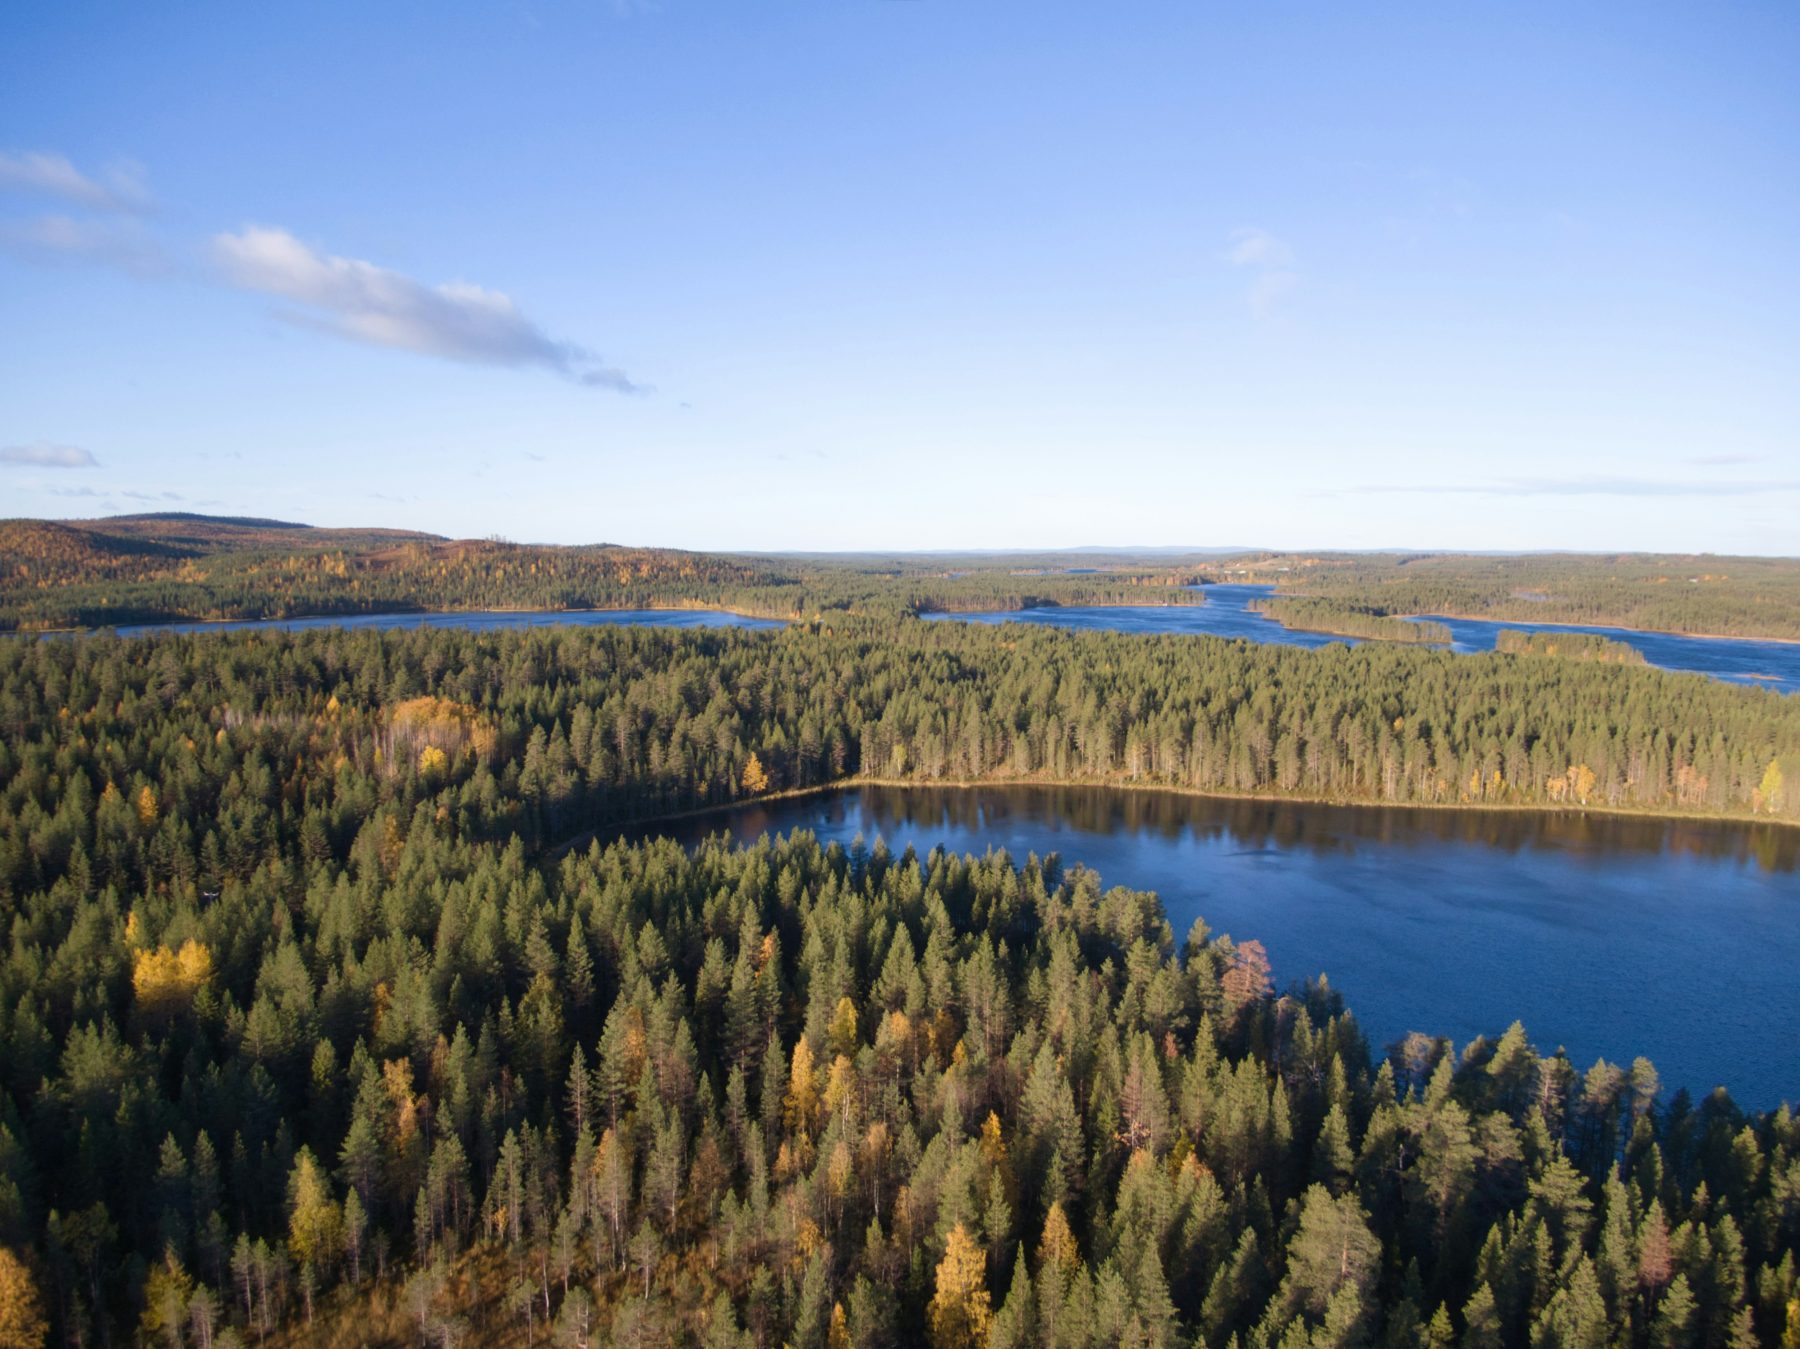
[1267, 826]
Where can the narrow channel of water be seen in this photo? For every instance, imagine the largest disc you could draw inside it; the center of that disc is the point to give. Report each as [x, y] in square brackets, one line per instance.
[1226, 613]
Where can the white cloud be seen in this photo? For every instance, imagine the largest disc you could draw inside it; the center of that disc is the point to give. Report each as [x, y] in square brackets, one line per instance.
[61, 238]
[1272, 263]
[42, 454]
[366, 303]
[120, 188]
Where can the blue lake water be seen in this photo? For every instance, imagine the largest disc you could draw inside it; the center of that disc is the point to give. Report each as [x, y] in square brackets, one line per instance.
[483, 620]
[1772, 665]
[1597, 932]
[1226, 613]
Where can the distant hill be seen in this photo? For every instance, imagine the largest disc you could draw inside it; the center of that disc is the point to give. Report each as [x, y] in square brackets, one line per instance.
[215, 533]
[178, 565]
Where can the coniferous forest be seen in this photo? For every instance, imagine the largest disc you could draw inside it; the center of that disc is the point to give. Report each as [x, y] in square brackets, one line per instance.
[323, 1017]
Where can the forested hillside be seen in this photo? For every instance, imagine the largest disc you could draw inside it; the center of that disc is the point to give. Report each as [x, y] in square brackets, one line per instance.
[156, 568]
[306, 1032]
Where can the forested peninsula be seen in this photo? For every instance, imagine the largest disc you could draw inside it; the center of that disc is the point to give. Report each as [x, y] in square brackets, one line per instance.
[1350, 620]
[1707, 596]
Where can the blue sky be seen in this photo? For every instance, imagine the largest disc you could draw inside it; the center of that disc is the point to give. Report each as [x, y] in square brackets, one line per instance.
[910, 273]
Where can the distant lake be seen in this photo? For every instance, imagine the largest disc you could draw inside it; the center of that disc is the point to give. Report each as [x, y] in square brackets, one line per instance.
[1608, 935]
[1226, 613]
[1737, 660]
[475, 620]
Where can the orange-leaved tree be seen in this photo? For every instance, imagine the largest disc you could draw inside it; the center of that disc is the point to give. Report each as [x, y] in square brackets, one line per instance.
[960, 1310]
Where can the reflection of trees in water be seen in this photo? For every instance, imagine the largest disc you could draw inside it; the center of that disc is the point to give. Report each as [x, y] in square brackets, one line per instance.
[898, 813]
[1289, 825]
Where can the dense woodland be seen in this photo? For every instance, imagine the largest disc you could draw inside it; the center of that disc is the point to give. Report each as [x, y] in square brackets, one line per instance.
[1350, 620]
[1706, 595]
[309, 1029]
[1569, 646]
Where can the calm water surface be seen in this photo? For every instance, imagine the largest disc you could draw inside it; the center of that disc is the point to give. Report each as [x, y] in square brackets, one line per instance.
[1611, 936]
[487, 620]
[1226, 613]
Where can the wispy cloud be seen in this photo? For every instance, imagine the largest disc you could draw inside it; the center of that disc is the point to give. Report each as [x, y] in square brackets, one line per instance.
[1251, 247]
[42, 454]
[111, 243]
[1583, 487]
[345, 296]
[120, 187]
[1724, 460]
[1271, 261]
[366, 303]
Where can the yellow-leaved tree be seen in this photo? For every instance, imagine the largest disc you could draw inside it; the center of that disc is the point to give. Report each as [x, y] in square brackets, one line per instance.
[1057, 1246]
[1773, 788]
[960, 1309]
[22, 1324]
[165, 981]
[802, 1101]
[756, 777]
[315, 1222]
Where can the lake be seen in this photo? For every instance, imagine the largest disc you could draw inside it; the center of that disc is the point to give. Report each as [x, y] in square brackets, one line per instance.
[1611, 936]
[474, 620]
[1226, 613]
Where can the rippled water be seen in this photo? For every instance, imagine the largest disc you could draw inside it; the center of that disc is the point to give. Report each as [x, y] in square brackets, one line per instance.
[1612, 936]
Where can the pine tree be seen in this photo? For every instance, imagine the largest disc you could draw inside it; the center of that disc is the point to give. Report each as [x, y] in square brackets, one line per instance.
[1675, 1315]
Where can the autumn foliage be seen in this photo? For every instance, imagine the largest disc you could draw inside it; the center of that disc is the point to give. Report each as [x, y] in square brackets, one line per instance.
[165, 981]
[22, 1324]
